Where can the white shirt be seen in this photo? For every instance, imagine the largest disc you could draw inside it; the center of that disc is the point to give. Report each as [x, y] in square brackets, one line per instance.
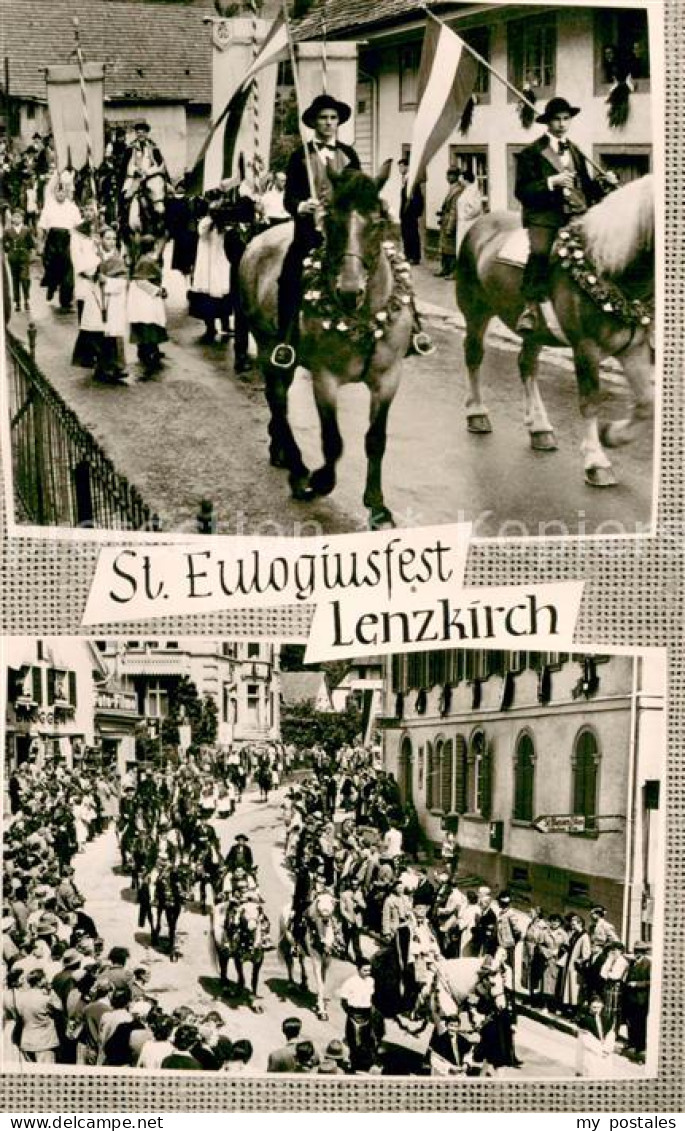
[357, 992]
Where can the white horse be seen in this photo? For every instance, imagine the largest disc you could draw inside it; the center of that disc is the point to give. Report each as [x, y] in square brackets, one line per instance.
[315, 938]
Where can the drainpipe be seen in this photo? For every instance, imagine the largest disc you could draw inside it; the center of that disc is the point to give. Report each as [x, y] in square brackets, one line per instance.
[631, 803]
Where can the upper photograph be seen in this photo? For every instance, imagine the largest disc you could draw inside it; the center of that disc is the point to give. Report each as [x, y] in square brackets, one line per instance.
[311, 268]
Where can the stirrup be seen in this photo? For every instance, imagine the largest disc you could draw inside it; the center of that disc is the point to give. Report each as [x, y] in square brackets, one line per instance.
[283, 356]
[423, 343]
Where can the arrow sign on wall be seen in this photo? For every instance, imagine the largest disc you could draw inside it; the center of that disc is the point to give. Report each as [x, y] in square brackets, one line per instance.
[560, 823]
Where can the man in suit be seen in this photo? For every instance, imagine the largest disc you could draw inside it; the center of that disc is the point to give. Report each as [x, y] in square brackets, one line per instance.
[411, 211]
[553, 184]
[283, 1059]
[240, 854]
[306, 203]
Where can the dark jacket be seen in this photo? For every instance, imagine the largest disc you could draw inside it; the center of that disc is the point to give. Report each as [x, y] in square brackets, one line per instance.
[296, 181]
[19, 245]
[412, 208]
[542, 206]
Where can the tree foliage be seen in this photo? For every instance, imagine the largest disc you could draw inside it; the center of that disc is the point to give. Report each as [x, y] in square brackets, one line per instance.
[304, 726]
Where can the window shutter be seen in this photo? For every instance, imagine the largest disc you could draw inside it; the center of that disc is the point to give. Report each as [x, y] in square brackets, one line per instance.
[429, 776]
[37, 684]
[460, 775]
[72, 688]
[446, 777]
[485, 779]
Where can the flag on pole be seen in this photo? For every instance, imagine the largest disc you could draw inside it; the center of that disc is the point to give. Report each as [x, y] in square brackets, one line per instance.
[447, 76]
[273, 50]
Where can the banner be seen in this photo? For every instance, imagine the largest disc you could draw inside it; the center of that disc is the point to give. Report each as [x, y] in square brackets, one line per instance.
[67, 117]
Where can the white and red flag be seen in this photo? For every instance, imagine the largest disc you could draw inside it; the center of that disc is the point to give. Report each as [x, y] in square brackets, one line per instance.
[447, 76]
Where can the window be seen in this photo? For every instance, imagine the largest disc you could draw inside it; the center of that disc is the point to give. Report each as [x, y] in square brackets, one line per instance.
[157, 700]
[253, 718]
[628, 162]
[585, 776]
[532, 54]
[473, 158]
[621, 47]
[478, 776]
[226, 703]
[253, 650]
[524, 778]
[410, 57]
[406, 770]
[228, 650]
[172, 644]
[479, 39]
[431, 767]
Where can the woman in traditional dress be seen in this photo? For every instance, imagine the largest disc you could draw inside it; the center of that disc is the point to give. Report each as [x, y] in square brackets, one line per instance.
[209, 295]
[572, 982]
[146, 310]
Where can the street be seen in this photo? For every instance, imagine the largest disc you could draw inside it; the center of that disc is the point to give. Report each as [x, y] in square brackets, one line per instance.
[198, 432]
[191, 981]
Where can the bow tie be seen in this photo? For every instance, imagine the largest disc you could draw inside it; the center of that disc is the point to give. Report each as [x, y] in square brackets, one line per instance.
[325, 148]
[563, 147]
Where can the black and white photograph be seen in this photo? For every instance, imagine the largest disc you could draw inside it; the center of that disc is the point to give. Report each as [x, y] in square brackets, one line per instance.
[436, 865]
[321, 267]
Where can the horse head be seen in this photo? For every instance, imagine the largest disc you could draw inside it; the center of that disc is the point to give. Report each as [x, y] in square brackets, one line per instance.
[354, 226]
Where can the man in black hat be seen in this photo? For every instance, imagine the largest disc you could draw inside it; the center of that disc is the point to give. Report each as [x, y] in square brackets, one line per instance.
[240, 854]
[141, 159]
[553, 184]
[305, 203]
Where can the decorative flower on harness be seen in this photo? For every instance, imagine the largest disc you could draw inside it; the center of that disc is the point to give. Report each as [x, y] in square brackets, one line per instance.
[571, 252]
[362, 326]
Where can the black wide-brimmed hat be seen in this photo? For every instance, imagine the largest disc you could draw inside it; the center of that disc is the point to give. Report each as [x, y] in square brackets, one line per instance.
[326, 102]
[142, 125]
[557, 106]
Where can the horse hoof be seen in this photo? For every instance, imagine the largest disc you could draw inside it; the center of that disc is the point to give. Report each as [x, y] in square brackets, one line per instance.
[543, 441]
[479, 424]
[322, 481]
[600, 477]
[302, 491]
[381, 520]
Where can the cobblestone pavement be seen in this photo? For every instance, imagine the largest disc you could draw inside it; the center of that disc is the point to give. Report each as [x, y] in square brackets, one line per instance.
[199, 432]
[192, 981]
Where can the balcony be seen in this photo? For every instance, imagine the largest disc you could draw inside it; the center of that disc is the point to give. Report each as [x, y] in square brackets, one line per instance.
[255, 670]
[155, 663]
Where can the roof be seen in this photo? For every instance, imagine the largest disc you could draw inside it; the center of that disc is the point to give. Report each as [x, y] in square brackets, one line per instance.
[303, 687]
[351, 15]
[152, 51]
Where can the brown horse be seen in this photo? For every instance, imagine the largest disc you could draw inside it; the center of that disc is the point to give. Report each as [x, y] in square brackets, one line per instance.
[617, 238]
[355, 326]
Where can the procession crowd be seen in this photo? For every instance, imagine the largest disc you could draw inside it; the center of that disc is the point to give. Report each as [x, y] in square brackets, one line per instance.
[434, 958]
[102, 239]
[575, 967]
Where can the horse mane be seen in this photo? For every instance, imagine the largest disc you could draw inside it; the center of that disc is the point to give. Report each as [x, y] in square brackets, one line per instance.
[354, 190]
[620, 227]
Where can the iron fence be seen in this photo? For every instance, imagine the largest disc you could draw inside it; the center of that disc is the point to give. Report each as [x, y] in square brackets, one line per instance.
[62, 477]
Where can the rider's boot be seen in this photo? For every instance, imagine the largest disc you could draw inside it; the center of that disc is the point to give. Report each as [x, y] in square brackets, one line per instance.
[530, 319]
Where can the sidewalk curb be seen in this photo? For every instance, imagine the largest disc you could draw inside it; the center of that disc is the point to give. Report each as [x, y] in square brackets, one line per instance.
[501, 337]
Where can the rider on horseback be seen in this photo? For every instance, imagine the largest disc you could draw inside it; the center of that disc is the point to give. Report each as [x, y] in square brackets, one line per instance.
[553, 184]
[141, 160]
[306, 202]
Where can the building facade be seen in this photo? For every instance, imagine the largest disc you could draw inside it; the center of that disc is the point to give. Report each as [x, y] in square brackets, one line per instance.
[241, 677]
[572, 51]
[547, 766]
[61, 703]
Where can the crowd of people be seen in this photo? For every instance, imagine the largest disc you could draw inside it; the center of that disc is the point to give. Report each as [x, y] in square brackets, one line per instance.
[108, 260]
[402, 926]
[455, 964]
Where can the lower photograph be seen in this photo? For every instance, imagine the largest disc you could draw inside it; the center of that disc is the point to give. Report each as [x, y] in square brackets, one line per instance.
[435, 864]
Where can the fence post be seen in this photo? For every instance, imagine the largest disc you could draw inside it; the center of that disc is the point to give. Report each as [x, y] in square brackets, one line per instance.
[206, 522]
[32, 334]
[84, 494]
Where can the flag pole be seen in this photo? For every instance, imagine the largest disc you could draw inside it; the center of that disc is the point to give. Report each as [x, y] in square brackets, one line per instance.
[298, 99]
[498, 75]
[84, 105]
